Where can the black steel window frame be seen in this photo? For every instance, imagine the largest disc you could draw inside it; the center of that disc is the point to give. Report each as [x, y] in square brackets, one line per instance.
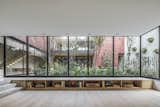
[4, 56]
[12, 37]
[48, 44]
[159, 51]
[140, 66]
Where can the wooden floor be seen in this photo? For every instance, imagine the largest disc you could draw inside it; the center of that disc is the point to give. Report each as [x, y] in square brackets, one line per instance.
[123, 98]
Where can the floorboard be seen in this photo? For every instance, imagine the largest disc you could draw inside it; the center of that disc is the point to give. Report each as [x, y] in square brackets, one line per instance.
[105, 98]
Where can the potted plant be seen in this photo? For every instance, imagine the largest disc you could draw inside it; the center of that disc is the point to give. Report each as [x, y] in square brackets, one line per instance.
[144, 50]
[150, 40]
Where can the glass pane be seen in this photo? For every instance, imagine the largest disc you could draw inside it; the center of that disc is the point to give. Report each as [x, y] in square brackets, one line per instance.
[126, 56]
[150, 54]
[1, 56]
[15, 57]
[37, 56]
[78, 56]
[58, 56]
[100, 56]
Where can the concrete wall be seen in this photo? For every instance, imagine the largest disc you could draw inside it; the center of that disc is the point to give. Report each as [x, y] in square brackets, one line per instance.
[58, 17]
[156, 84]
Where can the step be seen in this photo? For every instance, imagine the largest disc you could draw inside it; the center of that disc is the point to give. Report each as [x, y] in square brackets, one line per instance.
[3, 82]
[7, 86]
[9, 91]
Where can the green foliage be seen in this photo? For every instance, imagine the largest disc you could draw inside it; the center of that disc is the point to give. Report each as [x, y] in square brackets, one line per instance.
[40, 68]
[98, 40]
[126, 72]
[58, 69]
[107, 61]
[77, 69]
[100, 71]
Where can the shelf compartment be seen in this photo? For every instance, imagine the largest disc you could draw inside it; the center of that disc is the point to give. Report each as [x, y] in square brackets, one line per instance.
[93, 84]
[53, 84]
[131, 84]
[36, 84]
[73, 84]
[113, 84]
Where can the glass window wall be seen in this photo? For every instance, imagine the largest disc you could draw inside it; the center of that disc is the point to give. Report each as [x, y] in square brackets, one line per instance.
[15, 57]
[58, 56]
[81, 55]
[100, 56]
[150, 54]
[37, 56]
[127, 56]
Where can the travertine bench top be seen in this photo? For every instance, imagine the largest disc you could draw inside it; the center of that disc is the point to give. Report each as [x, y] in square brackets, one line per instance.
[76, 78]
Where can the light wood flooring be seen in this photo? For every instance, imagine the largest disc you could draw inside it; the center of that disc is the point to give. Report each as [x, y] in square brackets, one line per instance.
[104, 98]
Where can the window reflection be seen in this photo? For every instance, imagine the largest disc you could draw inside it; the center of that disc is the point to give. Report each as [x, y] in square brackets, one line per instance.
[126, 56]
[100, 56]
[37, 56]
[150, 54]
[15, 57]
[78, 56]
[58, 56]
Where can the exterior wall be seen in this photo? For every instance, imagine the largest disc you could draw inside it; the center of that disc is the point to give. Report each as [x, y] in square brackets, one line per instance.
[118, 49]
[39, 41]
[156, 85]
[107, 49]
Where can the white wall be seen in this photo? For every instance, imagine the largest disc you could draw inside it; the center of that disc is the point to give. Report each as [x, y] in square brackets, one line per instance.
[122, 17]
[156, 84]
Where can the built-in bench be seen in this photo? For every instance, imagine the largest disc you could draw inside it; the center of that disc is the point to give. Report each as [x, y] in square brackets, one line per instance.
[84, 83]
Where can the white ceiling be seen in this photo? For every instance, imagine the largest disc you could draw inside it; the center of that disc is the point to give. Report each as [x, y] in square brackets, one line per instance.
[82, 17]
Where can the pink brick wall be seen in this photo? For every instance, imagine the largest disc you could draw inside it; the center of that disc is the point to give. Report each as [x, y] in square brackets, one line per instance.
[39, 41]
[106, 49]
[119, 49]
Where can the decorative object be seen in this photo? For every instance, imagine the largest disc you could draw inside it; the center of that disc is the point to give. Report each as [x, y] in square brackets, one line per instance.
[144, 50]
[128, 53]
[150, 40]
[92, 84]
[134, 49]
[137, 54]
[108, 83]
[156, 51]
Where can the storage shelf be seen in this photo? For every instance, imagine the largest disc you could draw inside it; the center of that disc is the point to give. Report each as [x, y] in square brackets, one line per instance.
[84, 84]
